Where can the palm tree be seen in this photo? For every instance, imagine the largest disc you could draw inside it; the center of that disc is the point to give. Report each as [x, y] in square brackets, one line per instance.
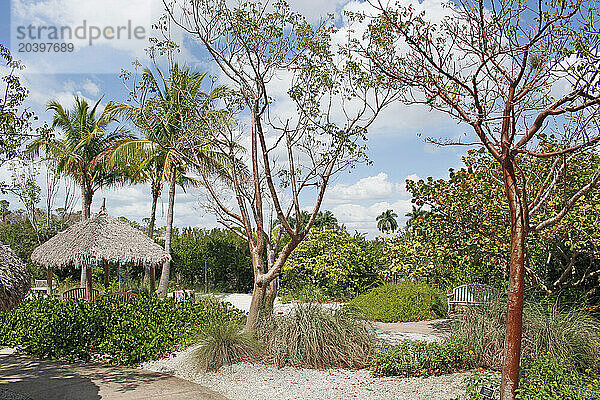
[386, 222]
[416, 213]
[325, 220]
[166, 119]
[76, 153]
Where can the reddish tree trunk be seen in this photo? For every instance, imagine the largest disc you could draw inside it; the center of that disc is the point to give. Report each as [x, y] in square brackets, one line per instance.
[514, 314]
[258, 293]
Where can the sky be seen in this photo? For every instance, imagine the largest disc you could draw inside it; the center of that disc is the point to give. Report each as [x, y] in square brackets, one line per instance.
[395, 143]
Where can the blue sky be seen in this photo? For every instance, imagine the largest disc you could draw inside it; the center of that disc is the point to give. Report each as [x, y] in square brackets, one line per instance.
[93, 71]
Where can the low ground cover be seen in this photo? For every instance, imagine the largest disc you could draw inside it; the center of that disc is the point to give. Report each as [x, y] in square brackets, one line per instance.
[106, 329]
[419, 358]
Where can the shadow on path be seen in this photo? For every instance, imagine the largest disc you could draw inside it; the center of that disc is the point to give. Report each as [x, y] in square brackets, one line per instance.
[51, 379]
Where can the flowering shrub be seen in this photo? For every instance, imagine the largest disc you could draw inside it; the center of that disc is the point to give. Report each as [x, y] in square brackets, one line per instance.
[419, 358]
[107, 329]
[548, 378]
[542, 378]
[334, 262]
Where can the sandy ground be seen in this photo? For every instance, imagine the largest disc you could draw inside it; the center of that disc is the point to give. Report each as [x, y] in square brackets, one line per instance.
[266, 382]
[259, 381]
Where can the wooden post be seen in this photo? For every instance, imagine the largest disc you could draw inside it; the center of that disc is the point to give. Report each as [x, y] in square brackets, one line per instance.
[152, 278]
[88, 289]
[106, 273]
[49, 290]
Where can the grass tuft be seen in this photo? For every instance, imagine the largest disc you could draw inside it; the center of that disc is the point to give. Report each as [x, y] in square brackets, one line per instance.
[225, 344]
[571, 335]
[314, 337]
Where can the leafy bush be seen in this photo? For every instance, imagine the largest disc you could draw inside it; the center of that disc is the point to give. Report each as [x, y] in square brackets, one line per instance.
[118, 332]
[226, 255]
[548, 378]
[401, 302]
[572, 335]
[419, 358]
[340, 265]
[309, 293]
[225, 344]
[314, 337]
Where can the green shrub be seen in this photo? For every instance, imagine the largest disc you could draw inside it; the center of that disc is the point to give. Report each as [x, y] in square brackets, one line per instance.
[402, 302]
[107, 329]
[473, 383]
[225, 344]
[309, 293]
[340, 265]
[314, 337]
[548, 378]
[572, 335]
[419, 358]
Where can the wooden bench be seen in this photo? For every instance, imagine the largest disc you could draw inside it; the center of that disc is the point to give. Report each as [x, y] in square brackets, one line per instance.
[183, 295]
[470, 294]
[125, 296]
[41, 285]
[79, 293]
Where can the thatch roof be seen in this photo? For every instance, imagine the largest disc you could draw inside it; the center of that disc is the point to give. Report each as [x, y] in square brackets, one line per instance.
[97, 239]
[14, 279]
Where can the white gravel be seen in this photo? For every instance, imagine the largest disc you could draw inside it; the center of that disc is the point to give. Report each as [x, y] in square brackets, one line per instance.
[245, 381]
[258, 381]
[241, 301]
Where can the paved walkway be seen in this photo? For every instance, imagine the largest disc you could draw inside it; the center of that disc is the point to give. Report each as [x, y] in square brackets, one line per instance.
[24, 378]
[435, 327]
[393, 333]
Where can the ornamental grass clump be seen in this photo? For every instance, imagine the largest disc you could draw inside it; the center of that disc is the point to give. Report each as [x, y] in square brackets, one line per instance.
[311, 336]
[572, 335]
[225, 344]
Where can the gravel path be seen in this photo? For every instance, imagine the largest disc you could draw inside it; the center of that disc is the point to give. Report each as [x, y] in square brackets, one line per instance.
[266, 382]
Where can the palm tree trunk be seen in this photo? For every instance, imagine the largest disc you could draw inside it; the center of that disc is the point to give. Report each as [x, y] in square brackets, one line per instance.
[163, 285]
[153, 215]
[149, 272]
[86, 201]
[85, 214]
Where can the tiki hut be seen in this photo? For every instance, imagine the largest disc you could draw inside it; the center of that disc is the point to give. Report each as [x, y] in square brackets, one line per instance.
[14, 279]
[99, 241]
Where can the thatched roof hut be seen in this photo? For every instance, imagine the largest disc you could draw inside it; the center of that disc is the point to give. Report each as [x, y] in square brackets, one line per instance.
[14, 279]
[100, 240]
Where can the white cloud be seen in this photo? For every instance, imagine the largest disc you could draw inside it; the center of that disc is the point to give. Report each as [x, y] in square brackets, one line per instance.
[376, 187]
[431, 148]
[363, 218]
[91, 88]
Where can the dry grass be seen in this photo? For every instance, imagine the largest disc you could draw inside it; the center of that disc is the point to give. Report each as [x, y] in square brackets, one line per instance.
[313, 337]
[225, 344]
[568, 334]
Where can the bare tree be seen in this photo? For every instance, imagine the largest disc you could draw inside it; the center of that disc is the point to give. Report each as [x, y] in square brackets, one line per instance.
[517, 76]
[305, 109]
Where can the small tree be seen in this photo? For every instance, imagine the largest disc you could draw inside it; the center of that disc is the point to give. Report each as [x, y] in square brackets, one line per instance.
[293, 151]
[15, 119]
[498, 67]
